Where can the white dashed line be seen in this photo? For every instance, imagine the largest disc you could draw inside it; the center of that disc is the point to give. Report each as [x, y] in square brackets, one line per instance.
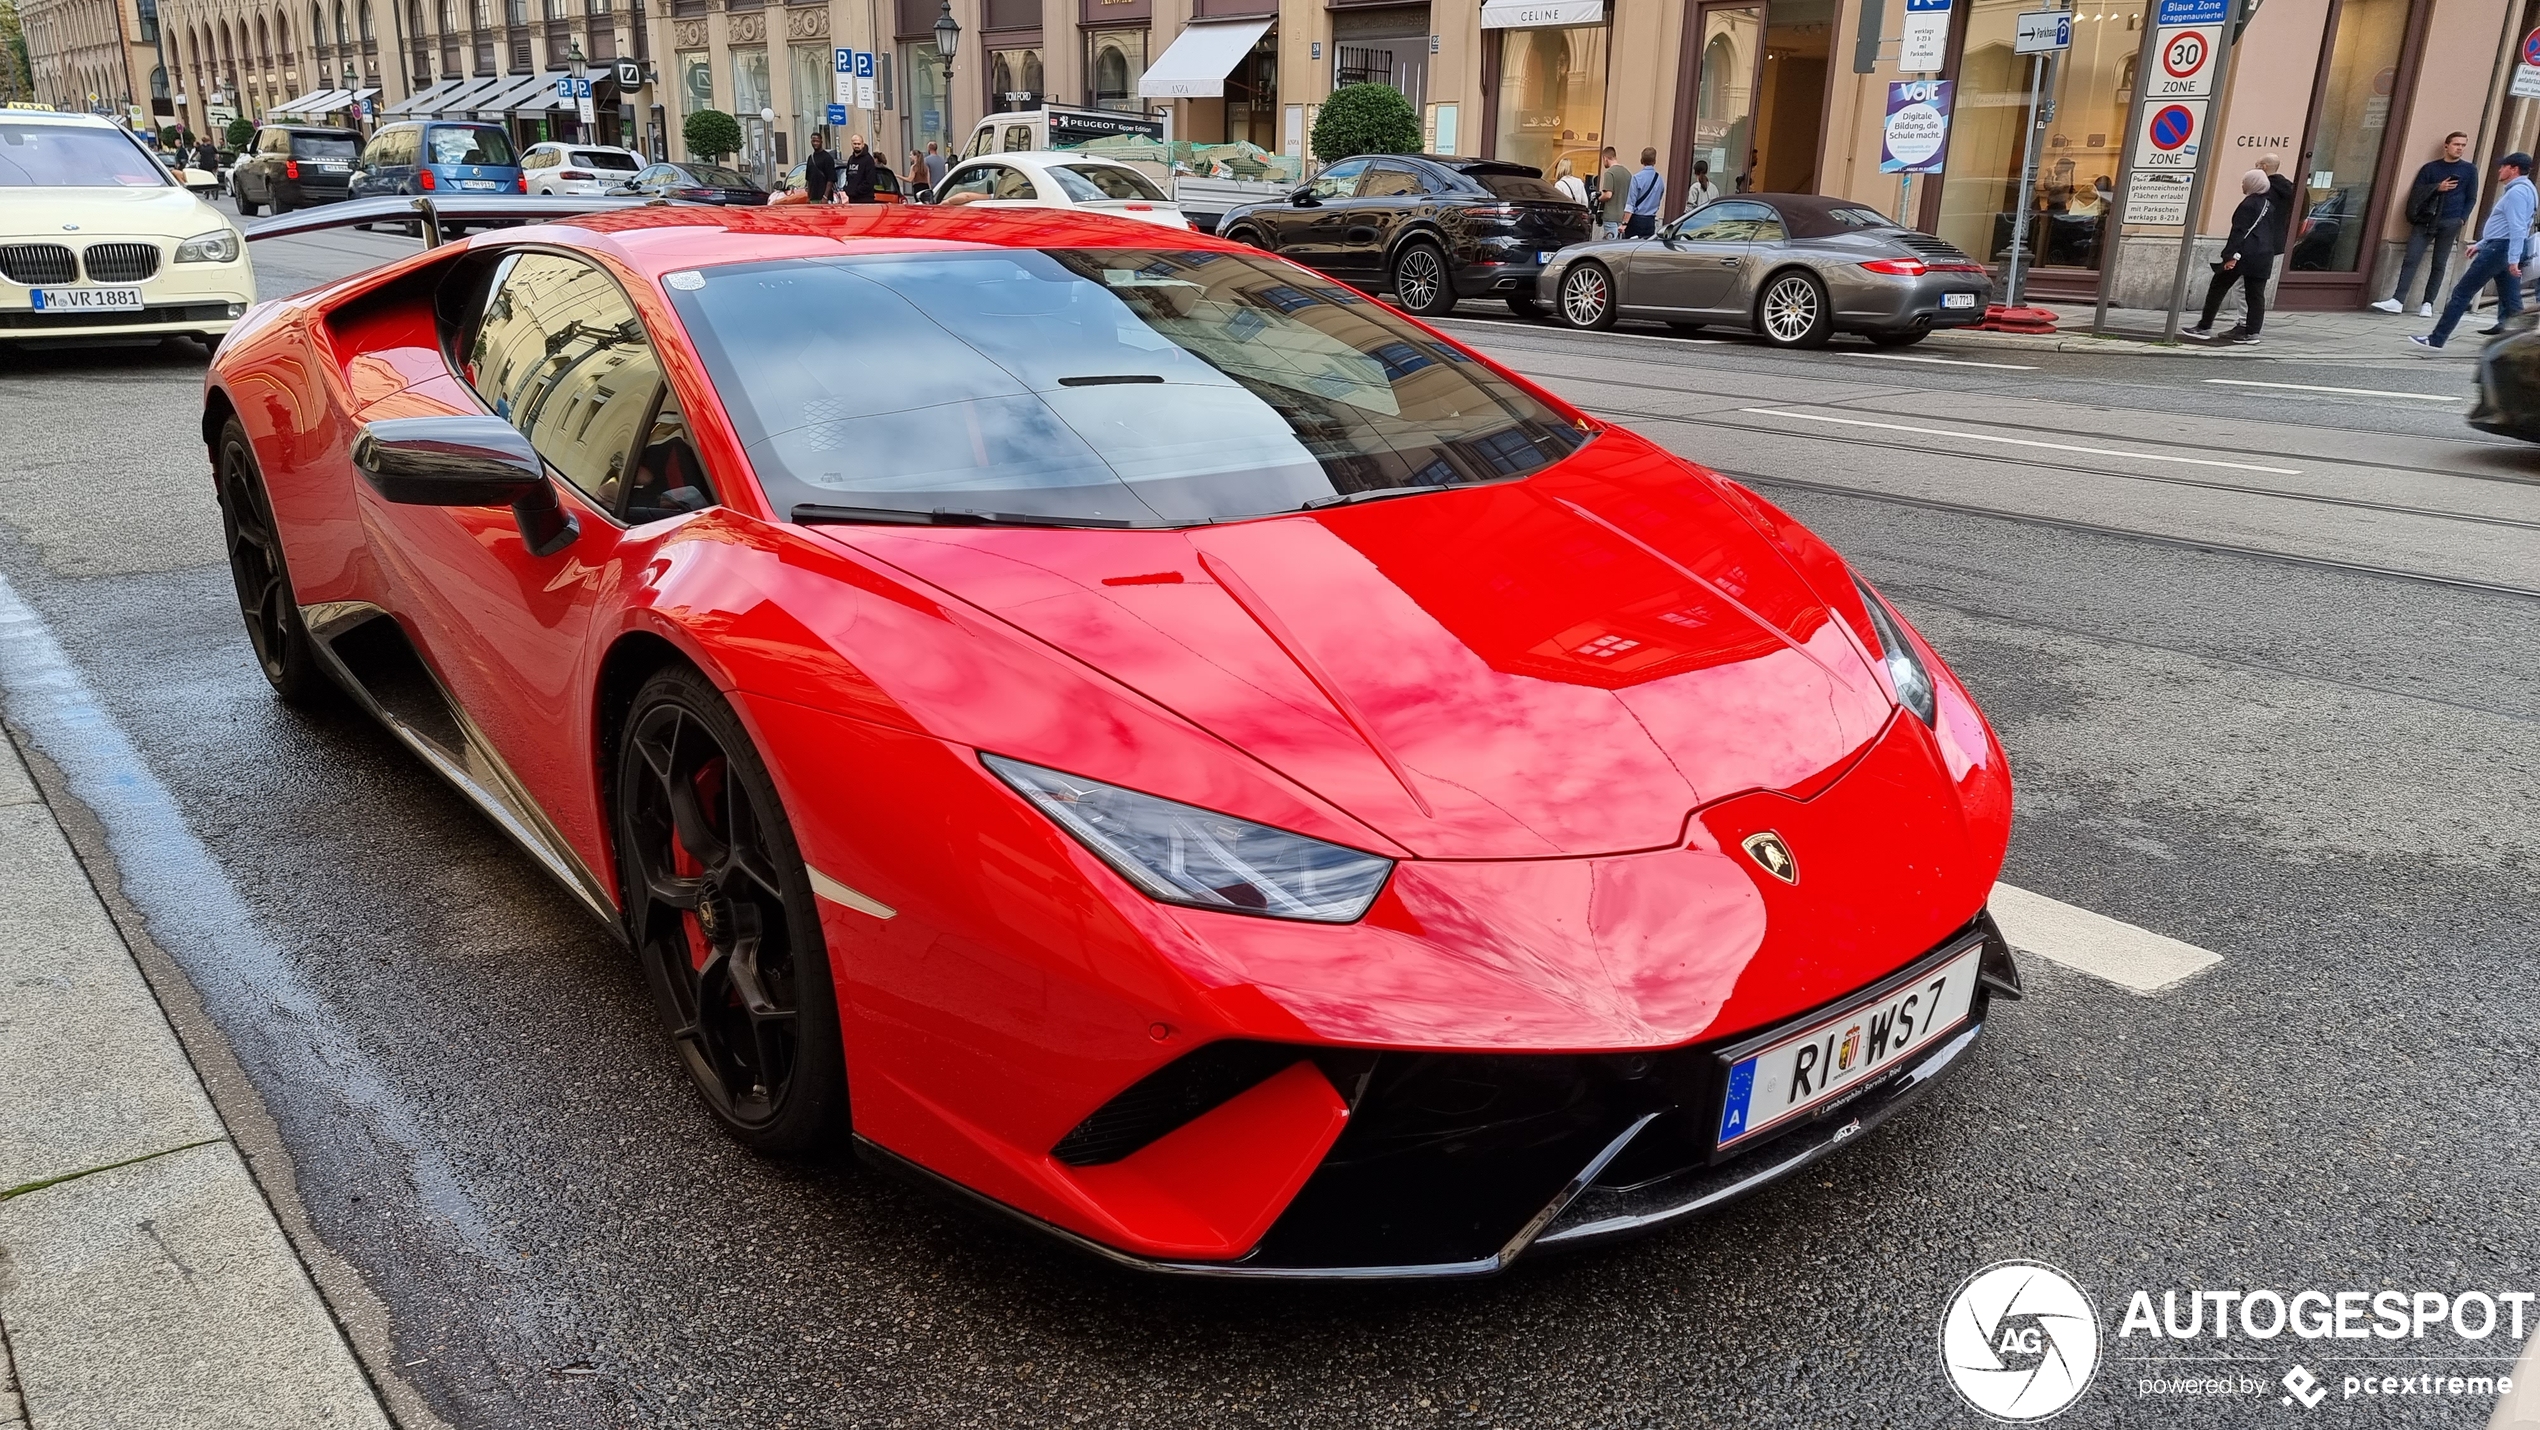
[2022, 442]
[1945, 362]
[2076, 938]
[2348, 391]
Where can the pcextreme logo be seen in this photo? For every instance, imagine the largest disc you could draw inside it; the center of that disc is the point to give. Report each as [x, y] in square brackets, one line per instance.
[2019, 1341]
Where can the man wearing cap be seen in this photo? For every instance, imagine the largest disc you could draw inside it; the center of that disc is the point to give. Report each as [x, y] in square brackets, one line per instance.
[2498, 257]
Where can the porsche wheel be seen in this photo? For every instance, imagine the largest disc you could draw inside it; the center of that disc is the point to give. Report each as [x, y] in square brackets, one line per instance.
[1420, 280]
[1587, 297]
[719, 908]
[262, 577]
[1794, 313]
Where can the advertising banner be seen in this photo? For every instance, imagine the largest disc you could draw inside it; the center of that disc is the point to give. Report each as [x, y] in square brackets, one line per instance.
[1917, 131]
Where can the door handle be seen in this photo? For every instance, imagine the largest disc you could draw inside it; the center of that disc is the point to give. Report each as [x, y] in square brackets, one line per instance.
[1731, 262]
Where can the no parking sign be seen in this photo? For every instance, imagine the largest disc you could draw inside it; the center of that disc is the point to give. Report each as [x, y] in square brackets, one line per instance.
[2170, 137]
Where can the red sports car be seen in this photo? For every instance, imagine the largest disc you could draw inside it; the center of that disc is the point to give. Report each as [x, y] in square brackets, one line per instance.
[1127, 728]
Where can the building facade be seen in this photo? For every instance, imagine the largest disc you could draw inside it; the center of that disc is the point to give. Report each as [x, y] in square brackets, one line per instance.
[247, 58]
[96, 56]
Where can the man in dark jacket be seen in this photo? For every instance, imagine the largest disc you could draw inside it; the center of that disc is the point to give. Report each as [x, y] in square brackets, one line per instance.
[2279, 201]
[2248, 257]
[2443, 197]
[207, 156]
[820, 171]
[855, 172]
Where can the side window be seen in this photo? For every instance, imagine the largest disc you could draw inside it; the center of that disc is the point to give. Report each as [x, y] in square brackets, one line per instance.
[1018, 137]
[1387, 181]
[561, 355]
[1725, 223]
[273, 141]
[408, 145]
[668, 477]
[1338, 181]
[979, 181]
[1015, 184]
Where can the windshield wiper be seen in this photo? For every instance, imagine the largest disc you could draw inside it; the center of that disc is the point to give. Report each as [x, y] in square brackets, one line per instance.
[816, 514]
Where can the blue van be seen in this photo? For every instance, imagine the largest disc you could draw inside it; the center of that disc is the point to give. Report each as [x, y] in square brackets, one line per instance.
[439, 156]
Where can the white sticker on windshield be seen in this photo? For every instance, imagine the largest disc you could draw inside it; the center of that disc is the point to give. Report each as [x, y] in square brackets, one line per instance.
[686, 280]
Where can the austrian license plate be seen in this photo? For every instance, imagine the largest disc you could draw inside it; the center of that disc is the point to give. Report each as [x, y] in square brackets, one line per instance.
[478, 184]
[1771, 1085]
[1957, 300]
[87, 300]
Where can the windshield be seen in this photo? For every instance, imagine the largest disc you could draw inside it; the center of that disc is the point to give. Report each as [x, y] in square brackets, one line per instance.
[324, 146]
[1135, 385]
[617, 160]
[73, 156]
[454, 145]
[1092, 183]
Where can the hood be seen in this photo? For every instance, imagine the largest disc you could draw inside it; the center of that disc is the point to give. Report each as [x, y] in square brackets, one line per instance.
[1563, 666]
[43, 214]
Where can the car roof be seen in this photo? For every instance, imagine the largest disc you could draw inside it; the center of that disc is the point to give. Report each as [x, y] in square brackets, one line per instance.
[55, 116]
[1806, 215]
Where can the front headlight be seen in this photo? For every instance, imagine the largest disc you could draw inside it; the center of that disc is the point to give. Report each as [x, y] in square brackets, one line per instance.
[218, 246]
[1905, 670]
[1182, 854]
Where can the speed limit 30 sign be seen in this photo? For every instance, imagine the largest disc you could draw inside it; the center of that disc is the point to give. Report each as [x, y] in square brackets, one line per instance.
[2184, 67]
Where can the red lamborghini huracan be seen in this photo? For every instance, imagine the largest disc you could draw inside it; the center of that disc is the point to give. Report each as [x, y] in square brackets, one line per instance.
[1125, 727]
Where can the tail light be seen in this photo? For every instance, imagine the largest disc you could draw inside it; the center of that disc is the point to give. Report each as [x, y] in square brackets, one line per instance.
[521, 182]
[290, 168]
[425, 181]
[1494, 211]
[575, 174]
[1898, 267]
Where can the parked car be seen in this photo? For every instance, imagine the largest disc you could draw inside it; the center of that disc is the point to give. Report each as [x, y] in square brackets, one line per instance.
[1055, 180]
[439, 156]
[697, 183]
[1793, 268]
[797, 186]
[1426, 229]
[290, 166]
[554, 168]
[97, 240]
[2508, 402]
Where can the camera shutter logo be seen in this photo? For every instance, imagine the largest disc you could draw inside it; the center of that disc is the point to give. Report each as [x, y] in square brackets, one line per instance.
[2019, 1341]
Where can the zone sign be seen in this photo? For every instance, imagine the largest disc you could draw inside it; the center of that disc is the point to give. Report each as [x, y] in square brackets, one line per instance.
[2186, 54]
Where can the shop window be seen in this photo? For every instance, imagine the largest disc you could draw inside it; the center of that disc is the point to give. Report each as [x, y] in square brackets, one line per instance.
[1114, 62]
[1552, 97]
[2354, 113]
[1014, 80]
[2070, 210]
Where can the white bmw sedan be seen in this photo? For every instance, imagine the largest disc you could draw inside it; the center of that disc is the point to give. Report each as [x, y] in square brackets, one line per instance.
[1057, 179]
[99, 240]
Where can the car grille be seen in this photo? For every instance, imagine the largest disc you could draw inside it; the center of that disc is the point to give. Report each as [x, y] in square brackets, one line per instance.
[121, 262]
[33, 263]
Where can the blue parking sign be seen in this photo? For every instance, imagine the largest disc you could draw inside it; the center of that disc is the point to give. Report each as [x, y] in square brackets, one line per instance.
[846, 62]
[864, 64]
[837, 114]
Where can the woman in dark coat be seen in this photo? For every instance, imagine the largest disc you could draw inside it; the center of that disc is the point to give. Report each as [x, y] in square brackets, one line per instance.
[2248, 258]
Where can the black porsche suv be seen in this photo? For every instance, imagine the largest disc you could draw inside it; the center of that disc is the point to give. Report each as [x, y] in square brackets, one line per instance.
[1429, 230]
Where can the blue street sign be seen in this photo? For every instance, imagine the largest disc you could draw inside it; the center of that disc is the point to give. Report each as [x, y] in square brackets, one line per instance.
[837, 114]
[2189, 12]
[846, 61]
[564, 86]
[864, 64]
[1913, 7]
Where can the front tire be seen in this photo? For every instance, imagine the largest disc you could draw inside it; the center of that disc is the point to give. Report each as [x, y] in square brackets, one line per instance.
[266, 601]
[720, 910]
[1421, 280]
[1587, 297]
[1249, 238]
[1794, 311]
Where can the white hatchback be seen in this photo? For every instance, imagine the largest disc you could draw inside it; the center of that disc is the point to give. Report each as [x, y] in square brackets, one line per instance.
[553, 168]
[1057, 179]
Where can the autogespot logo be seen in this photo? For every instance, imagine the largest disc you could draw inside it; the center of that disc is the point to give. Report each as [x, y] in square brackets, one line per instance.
[2019, 1341]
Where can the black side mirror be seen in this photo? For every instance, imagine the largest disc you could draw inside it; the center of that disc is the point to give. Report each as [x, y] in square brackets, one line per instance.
[465, 461]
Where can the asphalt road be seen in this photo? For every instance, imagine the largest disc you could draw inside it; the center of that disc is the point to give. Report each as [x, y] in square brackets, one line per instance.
[2263, 660]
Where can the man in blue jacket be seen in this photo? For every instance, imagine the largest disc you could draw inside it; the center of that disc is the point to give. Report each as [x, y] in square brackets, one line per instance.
[2439, 202]
[2498, 258]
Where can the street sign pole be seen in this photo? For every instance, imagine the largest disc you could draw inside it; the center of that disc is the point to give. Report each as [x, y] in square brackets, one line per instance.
[2170, 143]
[2221, 64]
[2028, 183]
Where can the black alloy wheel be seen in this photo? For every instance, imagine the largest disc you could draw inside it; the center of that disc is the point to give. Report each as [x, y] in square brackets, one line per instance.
[719, 907]
[1420, 280]
[1794, 311]
[262, 577]
[1587, 296]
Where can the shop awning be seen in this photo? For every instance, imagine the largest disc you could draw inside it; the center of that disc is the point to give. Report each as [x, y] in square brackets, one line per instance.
[1541, 14]
[499, 103]
[421, 101]
[548, 102]
[460, 103]
[1196, 64]
[316, 101]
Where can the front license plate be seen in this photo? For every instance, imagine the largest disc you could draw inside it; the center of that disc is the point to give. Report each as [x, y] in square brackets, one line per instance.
[87, 300]
[1957, 300]
[1836, 1054]
[479, 184]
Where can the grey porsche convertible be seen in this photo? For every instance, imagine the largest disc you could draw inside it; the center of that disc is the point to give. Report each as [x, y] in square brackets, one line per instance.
[1795, 269]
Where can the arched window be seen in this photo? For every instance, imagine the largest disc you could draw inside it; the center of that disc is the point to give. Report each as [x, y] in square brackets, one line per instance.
[362, 10]
[264, 41]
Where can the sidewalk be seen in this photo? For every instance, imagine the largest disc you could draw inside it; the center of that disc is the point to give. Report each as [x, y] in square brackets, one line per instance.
[144, 1282]
[2366, 336]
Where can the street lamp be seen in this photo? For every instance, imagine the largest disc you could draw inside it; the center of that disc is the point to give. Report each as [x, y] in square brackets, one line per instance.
[947, 40]
[573, 67]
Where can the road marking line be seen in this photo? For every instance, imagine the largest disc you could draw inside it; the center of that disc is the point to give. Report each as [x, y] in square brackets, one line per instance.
[2076, 938]
[1525, 327]
[2349, 391]
[1945, 362]
[2022, 442]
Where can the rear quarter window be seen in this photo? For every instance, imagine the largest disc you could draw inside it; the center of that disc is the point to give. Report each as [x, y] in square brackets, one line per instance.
[324, 146]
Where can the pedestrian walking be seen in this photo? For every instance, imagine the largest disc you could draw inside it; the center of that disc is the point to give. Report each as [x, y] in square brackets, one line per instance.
[856, 170]
[1610, 189]
[915, 180]
[2498, 257]
[1643, 197]
[1701, 193]
[2443, 197]
[820, 171]
[2248, 257]
[1567, 181]
[934, 167]
[207, 155]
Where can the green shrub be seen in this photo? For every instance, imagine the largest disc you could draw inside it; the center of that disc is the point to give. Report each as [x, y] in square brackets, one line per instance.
[1365, 119]
[711, 134]
[240, 131]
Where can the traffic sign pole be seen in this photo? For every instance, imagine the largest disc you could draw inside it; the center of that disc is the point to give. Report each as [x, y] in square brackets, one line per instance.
[2220, 65]
[2198, 70]
[2028, 184]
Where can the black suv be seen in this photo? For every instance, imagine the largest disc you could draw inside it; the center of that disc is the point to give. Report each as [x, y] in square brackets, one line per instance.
[291, 166]
[1427, 229]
